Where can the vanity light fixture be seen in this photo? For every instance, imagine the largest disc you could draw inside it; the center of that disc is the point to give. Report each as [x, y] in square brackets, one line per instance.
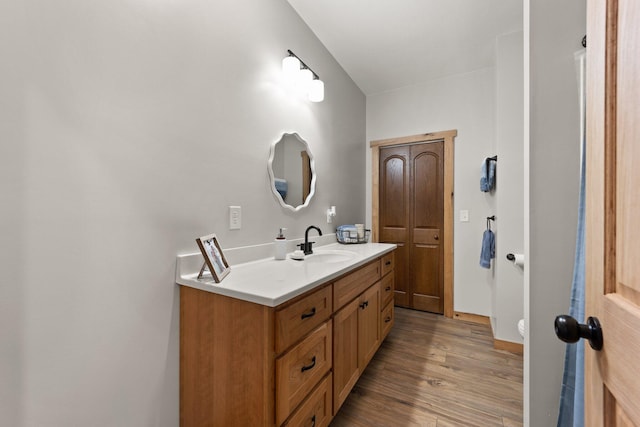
[304, 77]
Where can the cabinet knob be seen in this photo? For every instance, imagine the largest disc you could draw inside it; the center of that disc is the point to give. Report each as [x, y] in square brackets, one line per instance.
[307, 367]
[436, 237]
[364, 305]
[309, 314]
[387, 319]
[387, 289]
[387, 263]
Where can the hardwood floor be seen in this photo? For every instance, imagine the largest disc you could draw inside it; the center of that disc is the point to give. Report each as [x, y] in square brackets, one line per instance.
[437, 372]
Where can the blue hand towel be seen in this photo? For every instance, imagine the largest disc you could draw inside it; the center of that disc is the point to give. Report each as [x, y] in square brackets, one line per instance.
[488, 249]
[488, 175]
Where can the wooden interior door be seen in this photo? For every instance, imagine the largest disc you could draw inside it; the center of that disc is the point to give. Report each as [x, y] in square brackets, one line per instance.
[394, 214]
[411, 211]
[427, 219]
[612, 376]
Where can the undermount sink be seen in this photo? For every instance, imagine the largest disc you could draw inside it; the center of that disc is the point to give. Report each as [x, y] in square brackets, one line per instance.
[330, 256]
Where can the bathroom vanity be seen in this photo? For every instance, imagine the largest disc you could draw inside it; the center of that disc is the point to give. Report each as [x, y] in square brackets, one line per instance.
[282, 342]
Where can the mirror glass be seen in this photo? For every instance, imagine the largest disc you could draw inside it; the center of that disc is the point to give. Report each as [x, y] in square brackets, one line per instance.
[292, 171]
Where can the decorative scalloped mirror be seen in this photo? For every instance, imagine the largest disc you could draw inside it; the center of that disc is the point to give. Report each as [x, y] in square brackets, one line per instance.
[292, 172]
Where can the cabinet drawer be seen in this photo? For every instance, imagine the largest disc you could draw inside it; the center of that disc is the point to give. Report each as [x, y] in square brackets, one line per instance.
[349, 287]
[296, 320]
[388, 262]
[386, 290]
[316, 410]
[386, 320]
[300, 369]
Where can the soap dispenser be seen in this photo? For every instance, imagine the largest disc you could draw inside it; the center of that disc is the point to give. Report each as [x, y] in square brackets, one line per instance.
[280, 245]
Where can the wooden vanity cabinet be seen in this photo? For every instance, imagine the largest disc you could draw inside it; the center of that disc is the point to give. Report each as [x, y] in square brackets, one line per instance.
[245, 364]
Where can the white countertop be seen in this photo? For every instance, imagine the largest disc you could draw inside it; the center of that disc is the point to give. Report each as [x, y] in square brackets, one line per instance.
[272, 282]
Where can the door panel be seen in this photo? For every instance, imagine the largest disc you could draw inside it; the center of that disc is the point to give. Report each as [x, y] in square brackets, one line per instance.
[394, 183]
[394, 214]
[428, 185]
[427, 277]
[427, 280]
[396, 234]
[622, 345]
[612, 376]
[426, 236]
[401, 293]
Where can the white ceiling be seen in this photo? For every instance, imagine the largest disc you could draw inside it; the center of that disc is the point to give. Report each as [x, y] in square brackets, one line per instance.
[387, 44]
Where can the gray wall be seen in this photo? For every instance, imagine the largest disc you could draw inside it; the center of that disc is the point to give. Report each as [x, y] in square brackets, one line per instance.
[509, 284]
[556, 29]
[127, 129]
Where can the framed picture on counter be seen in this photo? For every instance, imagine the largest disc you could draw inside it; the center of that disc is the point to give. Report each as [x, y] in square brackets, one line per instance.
[214, 260]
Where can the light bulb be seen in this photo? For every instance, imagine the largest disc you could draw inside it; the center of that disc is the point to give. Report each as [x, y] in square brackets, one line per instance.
[316, 91]
[290, 67]
[303, 80]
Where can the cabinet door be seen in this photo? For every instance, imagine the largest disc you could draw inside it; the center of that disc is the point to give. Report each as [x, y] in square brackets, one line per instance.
[368, 325]
[345, 352]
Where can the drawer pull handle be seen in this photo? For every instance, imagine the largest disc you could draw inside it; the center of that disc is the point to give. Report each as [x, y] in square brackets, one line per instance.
[387, 263]
[310, 314]
[388, 319]
[306, 368]
[364, 305]
[387, 289]
[313, 421]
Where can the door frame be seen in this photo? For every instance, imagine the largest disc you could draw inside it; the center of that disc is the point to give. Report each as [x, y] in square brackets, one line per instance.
[444, 136]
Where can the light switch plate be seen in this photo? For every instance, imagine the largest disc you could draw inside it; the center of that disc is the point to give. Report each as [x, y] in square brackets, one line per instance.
[464, 215]
[235, 217]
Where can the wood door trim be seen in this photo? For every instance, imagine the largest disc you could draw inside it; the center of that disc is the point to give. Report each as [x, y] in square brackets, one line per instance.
[595, 203]
[447, 137]
[423, 137]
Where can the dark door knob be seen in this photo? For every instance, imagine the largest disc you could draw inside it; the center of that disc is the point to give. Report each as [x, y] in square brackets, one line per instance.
[569, 330]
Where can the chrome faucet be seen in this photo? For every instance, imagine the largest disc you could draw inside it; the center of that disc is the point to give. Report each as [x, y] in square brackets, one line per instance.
[306, 246]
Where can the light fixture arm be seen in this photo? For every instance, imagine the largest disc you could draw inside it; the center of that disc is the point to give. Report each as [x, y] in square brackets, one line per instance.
[315, 76]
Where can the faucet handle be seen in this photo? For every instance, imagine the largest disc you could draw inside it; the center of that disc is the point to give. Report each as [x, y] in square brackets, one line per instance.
[307, 247]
